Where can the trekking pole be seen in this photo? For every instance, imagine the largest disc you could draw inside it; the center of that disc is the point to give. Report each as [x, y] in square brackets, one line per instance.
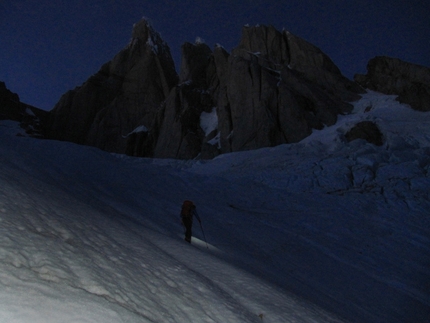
[201, 226]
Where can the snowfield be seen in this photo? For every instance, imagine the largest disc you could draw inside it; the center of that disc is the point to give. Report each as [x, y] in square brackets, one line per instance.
[319, 231]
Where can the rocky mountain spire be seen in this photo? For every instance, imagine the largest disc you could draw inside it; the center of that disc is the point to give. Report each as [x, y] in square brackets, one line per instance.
[273, 88]
[124, 94]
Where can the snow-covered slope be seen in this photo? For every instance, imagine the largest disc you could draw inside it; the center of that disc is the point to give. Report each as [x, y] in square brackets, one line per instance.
[320, 231]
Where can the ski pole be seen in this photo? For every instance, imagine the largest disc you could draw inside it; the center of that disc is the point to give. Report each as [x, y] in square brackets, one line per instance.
[201, 226]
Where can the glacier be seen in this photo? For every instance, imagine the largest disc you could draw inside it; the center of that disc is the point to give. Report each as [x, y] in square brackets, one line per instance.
[319, 231]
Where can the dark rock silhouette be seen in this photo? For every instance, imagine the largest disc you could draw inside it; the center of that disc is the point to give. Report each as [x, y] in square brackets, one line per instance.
[366, 130]
[122, 96]
[30, 118]
[177, 132]
[272, 89]
[10, 105]
[388, 75]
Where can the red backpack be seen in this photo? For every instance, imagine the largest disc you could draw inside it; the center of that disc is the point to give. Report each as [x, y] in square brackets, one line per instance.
[187, 207]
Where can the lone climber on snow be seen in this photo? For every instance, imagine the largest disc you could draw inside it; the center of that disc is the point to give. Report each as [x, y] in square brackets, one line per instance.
[187, 212]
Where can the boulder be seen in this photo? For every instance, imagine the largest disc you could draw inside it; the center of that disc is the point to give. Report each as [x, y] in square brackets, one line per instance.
[388, 75]
[366, 130]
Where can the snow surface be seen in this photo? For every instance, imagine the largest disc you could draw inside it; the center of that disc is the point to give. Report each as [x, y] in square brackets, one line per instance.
[209, 121]
[199, 41]
[138, 129]
[319, 231]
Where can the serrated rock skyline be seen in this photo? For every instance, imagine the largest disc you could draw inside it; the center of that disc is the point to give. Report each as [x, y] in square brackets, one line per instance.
[272, 89]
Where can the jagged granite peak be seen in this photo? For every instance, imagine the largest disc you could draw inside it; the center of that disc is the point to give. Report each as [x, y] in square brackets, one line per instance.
[279, 87]
[146, 36]
[143, 31]
[411, 82]
[318, 68]
[304, 54]
[278, 49]
[266, 43]
[253, 95]
[282, 50]
[178, 130]
[124, 94]
[273, 88]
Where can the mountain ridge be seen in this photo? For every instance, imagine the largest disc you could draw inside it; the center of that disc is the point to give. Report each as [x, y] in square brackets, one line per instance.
[273, 88]
[261, 99]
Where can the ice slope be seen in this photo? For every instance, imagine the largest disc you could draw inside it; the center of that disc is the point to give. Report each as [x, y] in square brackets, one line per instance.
[70, 250]
[320, 231]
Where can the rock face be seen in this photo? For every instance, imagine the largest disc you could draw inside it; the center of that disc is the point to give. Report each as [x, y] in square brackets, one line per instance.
[177, 131]
[410, 82]
[366, 130]
[123, 95]
[272, 89]
[11, 108]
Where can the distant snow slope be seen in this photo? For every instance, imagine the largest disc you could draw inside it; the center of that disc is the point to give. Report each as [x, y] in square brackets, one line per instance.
[294, 233]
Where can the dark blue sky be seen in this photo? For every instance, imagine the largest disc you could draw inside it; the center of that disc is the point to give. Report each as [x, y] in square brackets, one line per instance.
[49, 47]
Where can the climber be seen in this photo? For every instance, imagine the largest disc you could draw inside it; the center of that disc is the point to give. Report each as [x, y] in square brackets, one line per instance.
[187, 212]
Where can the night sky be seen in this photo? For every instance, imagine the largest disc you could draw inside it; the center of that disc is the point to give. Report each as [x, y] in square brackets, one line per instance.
[51, 46]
